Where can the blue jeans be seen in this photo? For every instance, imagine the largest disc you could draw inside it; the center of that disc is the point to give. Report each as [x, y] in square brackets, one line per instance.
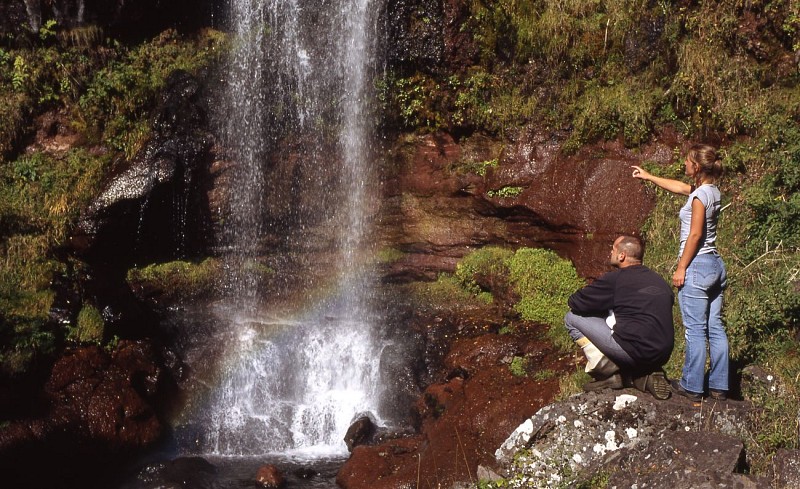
[700, 300]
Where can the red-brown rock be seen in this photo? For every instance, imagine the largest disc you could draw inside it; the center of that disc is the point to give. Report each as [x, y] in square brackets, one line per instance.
[97, 392]
[463, 419]
[270, 477]
[444, 198]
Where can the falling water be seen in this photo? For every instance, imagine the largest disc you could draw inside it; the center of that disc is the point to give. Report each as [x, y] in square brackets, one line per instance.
[300, 71]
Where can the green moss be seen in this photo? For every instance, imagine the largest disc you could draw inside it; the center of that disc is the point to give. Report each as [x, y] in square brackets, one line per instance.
[390, 255]
[90, 326]
[445, 292]
[544, 281]
[505, 192]
[484, 269]
[519, 367]
[182, 278]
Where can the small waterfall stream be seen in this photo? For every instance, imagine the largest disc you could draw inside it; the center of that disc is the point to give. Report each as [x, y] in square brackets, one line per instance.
[300, 70]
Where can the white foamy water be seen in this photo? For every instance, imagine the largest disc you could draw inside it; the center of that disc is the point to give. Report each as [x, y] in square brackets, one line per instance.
[299, 70]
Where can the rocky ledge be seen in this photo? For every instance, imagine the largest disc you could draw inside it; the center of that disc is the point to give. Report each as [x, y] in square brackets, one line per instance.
[628, 439]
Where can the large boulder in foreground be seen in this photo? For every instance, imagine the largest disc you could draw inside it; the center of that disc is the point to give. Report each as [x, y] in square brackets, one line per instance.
[626, 438]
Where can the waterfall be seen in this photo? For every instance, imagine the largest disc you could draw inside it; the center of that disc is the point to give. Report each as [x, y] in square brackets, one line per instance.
[300, 70]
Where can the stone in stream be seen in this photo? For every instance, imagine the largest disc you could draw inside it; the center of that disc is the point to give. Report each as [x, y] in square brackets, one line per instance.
[270, 477]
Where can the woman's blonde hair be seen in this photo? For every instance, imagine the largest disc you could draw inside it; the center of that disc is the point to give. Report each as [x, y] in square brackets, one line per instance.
[707, 161]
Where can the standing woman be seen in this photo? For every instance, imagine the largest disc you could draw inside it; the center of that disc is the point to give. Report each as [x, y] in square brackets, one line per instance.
[700, 276]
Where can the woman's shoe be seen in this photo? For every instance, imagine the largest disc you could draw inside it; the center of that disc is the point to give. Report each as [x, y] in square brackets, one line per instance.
[678, 389]
[718, 395]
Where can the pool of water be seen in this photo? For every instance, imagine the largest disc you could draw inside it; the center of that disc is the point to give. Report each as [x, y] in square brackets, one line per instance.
[232, 472]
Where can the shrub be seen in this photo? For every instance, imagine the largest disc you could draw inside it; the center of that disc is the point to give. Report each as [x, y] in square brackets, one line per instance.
[121, 95]
[484, 270]
[544, 281]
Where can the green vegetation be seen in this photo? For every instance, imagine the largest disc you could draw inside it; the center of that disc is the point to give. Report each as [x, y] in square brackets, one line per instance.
[179, 278]
[614, 69]
[103, 93]
[519, 367]
[540, 278]
[544, 281]
[505, 192]
[42, 195]
[90, 326]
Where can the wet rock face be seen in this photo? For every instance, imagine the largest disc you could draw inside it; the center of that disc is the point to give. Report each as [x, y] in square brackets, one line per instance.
[445, 198]
[97, 409]
[108, 395]
[415, 34]
[463, 415]
[154, 206]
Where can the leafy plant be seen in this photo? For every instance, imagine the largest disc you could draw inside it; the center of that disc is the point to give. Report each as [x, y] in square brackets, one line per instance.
[90, 326]
[519, 366]
[544, 281]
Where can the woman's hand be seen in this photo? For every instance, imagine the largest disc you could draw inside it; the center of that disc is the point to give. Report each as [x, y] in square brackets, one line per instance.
[679, 277]
[639, 172]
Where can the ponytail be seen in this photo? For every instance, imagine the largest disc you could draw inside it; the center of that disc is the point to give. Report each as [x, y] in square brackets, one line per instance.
[707, 161]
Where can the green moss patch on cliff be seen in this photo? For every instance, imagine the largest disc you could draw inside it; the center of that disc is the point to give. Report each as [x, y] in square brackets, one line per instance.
[533, 284]
[42, 197]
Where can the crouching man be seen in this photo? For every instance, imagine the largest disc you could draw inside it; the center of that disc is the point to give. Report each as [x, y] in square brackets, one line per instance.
[623, 323]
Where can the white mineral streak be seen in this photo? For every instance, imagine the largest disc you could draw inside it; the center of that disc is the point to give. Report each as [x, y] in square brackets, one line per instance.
[631, 432]
[611, 441]
[624, 401]
[520, 437]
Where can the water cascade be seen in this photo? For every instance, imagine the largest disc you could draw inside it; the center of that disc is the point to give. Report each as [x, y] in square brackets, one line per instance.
[299, 75]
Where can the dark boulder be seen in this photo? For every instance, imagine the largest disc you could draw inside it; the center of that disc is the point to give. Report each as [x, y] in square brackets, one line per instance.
[360, 432]
[270, 477]
[97, 410]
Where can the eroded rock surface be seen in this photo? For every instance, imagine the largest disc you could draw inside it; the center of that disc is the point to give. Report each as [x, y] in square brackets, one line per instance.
[627, 438]
[444, 198]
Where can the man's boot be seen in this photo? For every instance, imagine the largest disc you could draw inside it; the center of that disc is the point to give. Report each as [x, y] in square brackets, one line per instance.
[598, 365]
[656, 383]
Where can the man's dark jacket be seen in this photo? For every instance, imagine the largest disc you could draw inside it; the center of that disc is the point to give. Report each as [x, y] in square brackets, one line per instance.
[642, 303]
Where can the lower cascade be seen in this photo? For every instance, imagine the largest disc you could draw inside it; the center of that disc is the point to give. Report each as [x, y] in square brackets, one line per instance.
[291, 385]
